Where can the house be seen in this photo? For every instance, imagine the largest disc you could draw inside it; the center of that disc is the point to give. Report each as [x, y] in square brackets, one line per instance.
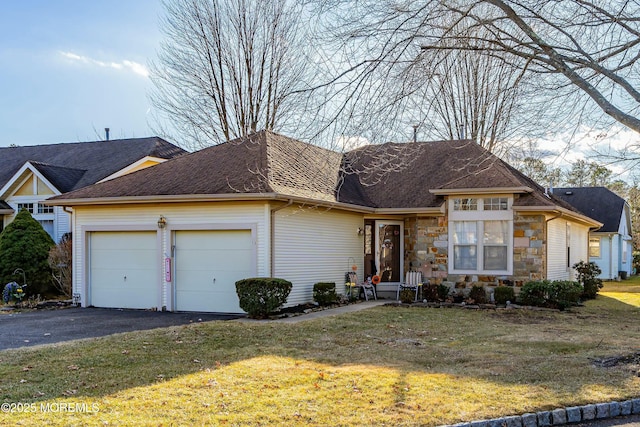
[610, 246]
[177, 236]
[31, 174]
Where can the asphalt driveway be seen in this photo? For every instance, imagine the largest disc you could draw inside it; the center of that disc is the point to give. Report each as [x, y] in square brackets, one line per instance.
[22, 329]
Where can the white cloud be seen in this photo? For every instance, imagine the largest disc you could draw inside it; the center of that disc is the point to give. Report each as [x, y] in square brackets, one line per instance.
[127, 65]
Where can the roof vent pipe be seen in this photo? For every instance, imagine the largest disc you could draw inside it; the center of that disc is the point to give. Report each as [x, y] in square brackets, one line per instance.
[106, 134]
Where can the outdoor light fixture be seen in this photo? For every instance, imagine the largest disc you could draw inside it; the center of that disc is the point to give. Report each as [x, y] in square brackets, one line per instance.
[360, 231]
[162, 222]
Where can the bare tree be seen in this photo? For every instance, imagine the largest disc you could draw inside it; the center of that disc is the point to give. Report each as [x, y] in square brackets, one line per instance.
[576, 49]
[230, 68]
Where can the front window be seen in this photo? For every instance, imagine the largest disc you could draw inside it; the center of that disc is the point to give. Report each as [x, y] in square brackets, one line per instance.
[44, 209]
[465, 204]
[27, 206]
[594, 247]
[481, 239]
[465, 242]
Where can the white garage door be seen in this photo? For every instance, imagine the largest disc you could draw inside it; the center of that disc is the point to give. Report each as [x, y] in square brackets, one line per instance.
[124, 269]
[207, 265]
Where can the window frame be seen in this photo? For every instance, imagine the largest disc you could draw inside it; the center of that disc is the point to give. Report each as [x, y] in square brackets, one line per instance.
[599, 247]
[481, 216]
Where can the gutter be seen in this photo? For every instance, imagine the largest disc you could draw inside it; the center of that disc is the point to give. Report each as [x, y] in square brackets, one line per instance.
[272, 216]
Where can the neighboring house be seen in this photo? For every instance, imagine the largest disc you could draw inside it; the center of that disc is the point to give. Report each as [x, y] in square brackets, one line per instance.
[31, 174]
[610, 246]
[177, 236]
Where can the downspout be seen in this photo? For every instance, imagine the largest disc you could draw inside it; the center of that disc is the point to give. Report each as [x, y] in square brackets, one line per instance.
[273, 234]
[611, 258]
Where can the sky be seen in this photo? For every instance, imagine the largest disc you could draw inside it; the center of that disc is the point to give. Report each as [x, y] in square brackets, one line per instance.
[70, 68]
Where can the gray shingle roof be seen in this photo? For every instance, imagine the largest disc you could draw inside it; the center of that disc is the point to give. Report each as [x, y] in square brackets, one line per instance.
[76, 165]
[598, 203]
[378, 176]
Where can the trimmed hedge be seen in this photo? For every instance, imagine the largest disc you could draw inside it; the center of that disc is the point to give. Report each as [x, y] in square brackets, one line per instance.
[560, 294]
[260, 296]
[502, 294]
[324, 293]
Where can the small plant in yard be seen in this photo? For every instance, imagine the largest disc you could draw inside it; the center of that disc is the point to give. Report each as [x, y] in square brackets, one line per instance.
[502, 294]
[262, 295]
[407, 295]
[478, 295]
[324, 293]
[13, 292]
[587, 274]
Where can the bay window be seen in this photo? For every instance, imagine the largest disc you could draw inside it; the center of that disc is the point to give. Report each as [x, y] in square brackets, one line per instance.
[481, 235]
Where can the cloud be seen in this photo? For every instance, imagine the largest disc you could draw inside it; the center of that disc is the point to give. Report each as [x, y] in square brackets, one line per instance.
[126, 65]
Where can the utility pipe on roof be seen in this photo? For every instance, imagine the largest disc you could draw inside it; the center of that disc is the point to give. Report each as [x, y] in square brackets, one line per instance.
[272, 234]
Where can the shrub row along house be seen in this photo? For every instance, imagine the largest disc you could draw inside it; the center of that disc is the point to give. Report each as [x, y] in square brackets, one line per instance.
[178, 235]
[31, 174]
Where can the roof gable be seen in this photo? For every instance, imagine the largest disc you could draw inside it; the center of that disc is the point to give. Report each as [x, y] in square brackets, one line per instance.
[97, 159]
[599, 203]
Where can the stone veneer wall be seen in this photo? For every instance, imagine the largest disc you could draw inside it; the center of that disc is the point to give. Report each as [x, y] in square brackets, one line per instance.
[426, 249]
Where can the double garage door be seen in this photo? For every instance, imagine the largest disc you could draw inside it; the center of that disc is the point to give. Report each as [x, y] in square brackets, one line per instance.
[126, 269]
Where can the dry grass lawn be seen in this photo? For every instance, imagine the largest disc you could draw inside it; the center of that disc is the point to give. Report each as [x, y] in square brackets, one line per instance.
[383, 366]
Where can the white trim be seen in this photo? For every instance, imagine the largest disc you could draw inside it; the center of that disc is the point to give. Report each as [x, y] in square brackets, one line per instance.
[128, 169]
[33, 170]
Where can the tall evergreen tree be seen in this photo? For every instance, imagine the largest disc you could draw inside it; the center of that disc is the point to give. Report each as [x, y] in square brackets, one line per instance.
[25, 244]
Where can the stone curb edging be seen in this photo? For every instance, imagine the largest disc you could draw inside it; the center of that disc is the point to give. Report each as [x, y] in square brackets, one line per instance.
[561, 416]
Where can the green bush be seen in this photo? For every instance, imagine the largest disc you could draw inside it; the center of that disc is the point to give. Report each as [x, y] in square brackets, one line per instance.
[558, 294]
[478, 294]
[430, 292]
[324, 293]
[24, 244]
[587, 275]
[443, 292]
[502, 294]
[260, 296]
[534, 293]
[564, 294]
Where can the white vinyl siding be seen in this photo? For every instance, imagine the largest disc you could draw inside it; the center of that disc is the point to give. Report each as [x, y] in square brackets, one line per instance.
[558, 231]
[557, 248]
[316, 245]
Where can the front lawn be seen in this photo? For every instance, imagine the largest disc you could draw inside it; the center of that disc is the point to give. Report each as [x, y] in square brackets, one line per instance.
[382, 366]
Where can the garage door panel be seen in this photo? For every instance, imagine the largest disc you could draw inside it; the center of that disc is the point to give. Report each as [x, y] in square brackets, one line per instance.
[202, 256]
[123, 270]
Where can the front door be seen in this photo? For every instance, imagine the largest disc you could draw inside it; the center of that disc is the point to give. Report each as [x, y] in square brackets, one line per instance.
[388, 251]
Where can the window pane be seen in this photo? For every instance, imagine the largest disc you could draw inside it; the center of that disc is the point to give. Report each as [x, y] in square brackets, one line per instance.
[594, 247]
[465, 204]
[496, 204]
[495, 257]
[465, 232]
[48, 227]
[464, 258]
[496, 232]
[44, 209]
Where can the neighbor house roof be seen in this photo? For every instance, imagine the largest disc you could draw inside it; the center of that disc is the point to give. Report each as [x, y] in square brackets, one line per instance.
[599, 203]
[388, 176]
[71, 166]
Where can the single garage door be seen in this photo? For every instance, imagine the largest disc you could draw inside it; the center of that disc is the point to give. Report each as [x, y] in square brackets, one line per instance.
[207, 265]
[124, 269]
